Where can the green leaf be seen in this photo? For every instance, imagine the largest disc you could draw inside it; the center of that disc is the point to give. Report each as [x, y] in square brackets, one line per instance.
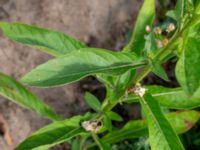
[79, 64]
[178, 13]
[52, 42]
[181, 121]
[150, 47]
[76, 144]
[55, 133]
[49, 41]
[159, 71]
[107, 122]
[126, 79]
[93, 102]
[145, 17]
[188, 68]
[107, 80]
[161, 133]
[114, 116]
[131, 130]
[14, 91]
[197, 6]
[174, 98]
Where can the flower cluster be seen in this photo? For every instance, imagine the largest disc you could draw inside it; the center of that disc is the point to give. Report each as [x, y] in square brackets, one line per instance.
[91, 126]
[161, 40]
[138, 90]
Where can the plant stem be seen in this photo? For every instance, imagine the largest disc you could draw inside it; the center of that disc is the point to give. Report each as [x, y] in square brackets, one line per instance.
[96, 139]
[140, 75]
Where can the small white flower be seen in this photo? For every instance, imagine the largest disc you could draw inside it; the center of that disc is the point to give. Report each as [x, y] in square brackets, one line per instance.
[148, 29]
[91, 126]
[138, 90]
[159, 44]
[170, 28]
[158, 30]
[165, 41]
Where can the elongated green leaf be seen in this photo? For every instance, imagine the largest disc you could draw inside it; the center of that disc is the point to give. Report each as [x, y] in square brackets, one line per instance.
[174, 98]
[76, 144]
[197, 6]
[49, 41]
[150, 48]
[181, 121]
[15, 92]
[54, 133]
[79, 64]
[159, 71]
[126, 79]
[188, 68]
[178, 13]
[161, 133]
[93, 102]
[145, 17]
[114, 116]
[107, 122]
[52, 42]
[131, 130]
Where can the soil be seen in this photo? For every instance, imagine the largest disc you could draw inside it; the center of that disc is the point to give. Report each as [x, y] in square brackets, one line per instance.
[96, 22]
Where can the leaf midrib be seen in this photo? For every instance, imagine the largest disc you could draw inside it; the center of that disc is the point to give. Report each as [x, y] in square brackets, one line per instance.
[136, 64]
[157, 94]
[157, 122]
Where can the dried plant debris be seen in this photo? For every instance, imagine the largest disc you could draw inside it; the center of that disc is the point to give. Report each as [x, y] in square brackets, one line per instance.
[4, 130]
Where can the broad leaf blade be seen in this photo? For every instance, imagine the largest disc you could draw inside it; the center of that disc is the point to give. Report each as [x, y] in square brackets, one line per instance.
[150, 48]
[15, 92]
[174, 98]
[107, 122]
[145, 17]
[52, 42]
[79, 64]
[76, 144]
[161, 133]
[197, 6]
[93, 102]
[178, 13]
[131, 130]
[159, 71]
[114, 116]
[54, 133]
[188, 68]
[181, 121]
[49, 41]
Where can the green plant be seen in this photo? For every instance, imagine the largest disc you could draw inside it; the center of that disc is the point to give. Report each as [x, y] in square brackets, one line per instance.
[121, 72]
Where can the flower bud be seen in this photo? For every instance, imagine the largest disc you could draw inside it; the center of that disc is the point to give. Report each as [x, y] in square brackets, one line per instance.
[170, 28]
[165, 41]
[91, 126]
[138, 90]
[158, 30]
[159, 44]
[148, 29]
